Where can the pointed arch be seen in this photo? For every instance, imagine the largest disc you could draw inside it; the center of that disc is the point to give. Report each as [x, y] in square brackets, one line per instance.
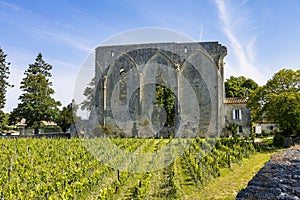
[212, 79]
[121, 77]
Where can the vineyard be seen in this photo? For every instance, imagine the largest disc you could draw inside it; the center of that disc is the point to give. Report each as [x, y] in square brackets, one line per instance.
[65, 169]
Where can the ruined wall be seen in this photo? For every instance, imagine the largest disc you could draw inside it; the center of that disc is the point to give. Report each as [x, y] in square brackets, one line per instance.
[126, 77]
[278, 179]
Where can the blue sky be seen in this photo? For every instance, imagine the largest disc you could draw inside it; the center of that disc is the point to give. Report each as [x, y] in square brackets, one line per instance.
[262, 36]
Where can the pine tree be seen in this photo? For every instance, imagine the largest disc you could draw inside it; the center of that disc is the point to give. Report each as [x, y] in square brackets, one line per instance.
[37, 105]
[4, 84]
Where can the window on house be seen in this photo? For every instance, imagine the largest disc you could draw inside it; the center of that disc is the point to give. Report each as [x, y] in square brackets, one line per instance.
[237, 114]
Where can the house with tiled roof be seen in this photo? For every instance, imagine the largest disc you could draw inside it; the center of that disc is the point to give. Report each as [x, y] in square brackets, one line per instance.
[237, 114]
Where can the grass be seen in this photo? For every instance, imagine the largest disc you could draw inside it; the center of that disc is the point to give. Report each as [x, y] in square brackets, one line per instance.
[233, 180]
[267, 140]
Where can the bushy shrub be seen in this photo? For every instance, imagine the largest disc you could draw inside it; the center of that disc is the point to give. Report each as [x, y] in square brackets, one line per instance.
[101, 131]
[279, 140]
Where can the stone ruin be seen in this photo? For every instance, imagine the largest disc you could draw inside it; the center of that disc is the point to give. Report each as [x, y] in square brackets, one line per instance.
[126, 80]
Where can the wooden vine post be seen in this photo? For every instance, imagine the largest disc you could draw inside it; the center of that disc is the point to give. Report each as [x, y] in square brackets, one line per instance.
[228, 160]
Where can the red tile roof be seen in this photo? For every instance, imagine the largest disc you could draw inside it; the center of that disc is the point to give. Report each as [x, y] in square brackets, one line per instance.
[236, 100]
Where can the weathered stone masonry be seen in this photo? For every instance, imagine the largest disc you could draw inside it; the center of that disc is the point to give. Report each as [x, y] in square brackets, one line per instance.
[278, 179]
[126, 77]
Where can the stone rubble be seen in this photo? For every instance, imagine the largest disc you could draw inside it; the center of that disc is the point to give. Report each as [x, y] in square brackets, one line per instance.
[278, 179]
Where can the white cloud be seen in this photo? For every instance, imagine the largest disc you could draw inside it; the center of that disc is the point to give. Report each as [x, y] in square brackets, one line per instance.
[10, 5]
[242, 42]
[250, 49]
[13, 7]
[201, 31]
[81, 45]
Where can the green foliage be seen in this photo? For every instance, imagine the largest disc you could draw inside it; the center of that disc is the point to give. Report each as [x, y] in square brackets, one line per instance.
[4, 84]
[36, 101]
[279, 101]
[4, 117]
[2, 120]
[66, 169]
[103, 130]
[281, 141]
[14, 117]
[237, 86]
[4, 75]
[166, 101]
[278, 140]
[232, 128]
[35, 168]
[68, 116]
[205, 166]
[89, 93]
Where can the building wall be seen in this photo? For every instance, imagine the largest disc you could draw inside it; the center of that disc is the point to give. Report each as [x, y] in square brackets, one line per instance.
[244, 122]
[265, 128]
[200, 64]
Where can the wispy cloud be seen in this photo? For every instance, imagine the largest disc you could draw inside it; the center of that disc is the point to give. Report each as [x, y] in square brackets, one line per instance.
[201, 31]
[39, 27]
[242, 43]
[63, 76]
[68, 40]
[10, 5]
[13, 7]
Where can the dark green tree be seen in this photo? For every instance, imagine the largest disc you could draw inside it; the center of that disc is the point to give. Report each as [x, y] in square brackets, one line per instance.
[237, 86]
[89, 93]
[165, 99]
[68, 116]
[14, 117]
[4, 84]
[279, 101]
[2, 121]
[37, 103]
[164, 108]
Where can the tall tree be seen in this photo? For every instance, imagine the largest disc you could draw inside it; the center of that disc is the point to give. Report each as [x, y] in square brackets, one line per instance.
[68, 116]
[4, 84]
[89, 92]
[279, 101]
[37, 105]
[238, 86]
